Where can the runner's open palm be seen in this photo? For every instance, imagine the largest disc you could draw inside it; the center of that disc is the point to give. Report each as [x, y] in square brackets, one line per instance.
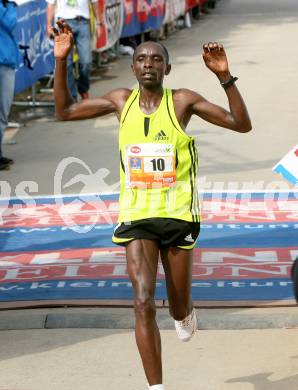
[63, 40]
[215, 58]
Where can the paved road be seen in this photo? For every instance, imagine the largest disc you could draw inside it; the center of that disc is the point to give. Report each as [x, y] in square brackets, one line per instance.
[84, 359]
[258, 37]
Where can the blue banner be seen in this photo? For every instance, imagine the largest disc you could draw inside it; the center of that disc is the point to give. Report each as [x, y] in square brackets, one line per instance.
[37, 59]
[245, 250]
[141, 16]
[213, 235]
[211, 290]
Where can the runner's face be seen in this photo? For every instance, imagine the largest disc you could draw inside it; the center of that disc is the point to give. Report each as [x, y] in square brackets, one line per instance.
[150, 65]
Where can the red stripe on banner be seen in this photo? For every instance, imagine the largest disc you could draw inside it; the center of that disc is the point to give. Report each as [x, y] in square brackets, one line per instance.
[110, 263]
[86, 213]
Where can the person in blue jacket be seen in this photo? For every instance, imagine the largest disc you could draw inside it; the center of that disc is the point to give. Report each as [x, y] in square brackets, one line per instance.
[9, 56]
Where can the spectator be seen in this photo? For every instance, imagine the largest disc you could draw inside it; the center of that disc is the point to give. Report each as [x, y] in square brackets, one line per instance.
[9, 57]
[77, 15]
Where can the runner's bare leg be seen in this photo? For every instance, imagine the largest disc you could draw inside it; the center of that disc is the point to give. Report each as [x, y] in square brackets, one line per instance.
[142, 261]
[177, 264]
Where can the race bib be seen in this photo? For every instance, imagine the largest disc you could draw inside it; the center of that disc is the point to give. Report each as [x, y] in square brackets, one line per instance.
[150, 165]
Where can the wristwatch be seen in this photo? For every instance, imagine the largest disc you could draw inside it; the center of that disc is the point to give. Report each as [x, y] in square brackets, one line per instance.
[230, 82]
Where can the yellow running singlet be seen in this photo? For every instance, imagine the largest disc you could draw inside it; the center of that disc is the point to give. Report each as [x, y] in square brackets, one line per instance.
[158, 164]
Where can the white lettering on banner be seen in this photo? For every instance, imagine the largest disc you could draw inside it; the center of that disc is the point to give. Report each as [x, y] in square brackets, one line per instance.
[235, 270]
[120, 270]
[16, 273]
[201, 284]
[81, 284]
[104, 257]
[4, 288]
[37, 285]
[122, 284]
[126, 284]
[49, 258]
[88, 263]
[220, 257]
[72, 271]
[286, 284]
[237, 284]
[279, 270]
[5, 261]
[83, 271]
[206, 271]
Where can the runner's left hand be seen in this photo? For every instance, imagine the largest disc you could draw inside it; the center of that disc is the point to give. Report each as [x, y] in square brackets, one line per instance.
[215, 58]
[63, 40]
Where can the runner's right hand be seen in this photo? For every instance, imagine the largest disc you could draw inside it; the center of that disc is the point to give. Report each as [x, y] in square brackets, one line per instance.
[63, 40]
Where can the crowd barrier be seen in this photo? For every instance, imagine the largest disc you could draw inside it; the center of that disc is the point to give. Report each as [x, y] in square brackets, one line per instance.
[141, 16]
[36, 52]
[122, 19]
[112, 28]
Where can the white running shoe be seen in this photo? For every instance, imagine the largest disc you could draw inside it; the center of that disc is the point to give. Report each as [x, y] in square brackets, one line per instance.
[187, 327]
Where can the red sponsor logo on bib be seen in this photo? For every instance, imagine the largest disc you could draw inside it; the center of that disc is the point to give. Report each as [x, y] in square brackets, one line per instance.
[135, 149]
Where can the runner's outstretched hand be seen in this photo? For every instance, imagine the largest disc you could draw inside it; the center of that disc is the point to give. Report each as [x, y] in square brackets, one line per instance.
[215, 58]
[63, 40]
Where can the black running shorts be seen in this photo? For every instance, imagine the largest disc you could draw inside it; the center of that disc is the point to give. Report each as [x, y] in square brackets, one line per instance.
[167, 231]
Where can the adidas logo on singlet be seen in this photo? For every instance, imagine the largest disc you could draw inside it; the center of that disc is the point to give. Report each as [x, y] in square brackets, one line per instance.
[161, 136]
[189, 238]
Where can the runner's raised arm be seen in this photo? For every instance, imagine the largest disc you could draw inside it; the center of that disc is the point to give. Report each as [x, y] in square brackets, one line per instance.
[188, 103]
[66, 107]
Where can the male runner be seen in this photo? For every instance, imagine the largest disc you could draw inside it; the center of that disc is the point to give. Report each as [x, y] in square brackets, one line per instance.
[159, 212]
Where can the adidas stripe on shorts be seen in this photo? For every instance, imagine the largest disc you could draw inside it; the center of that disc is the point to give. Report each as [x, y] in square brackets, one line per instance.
[167, 231]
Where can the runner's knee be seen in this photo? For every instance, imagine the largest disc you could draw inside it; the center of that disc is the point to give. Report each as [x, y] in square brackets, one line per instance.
[144, 307]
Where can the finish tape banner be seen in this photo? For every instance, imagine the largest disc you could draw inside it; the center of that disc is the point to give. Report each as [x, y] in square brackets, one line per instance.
[55, 250]
[141, 16]
[37, 58]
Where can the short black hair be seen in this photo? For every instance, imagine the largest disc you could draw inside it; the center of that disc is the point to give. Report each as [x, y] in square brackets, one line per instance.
[165, 50]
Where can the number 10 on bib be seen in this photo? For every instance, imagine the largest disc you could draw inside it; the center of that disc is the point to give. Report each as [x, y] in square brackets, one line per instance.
[150, 166]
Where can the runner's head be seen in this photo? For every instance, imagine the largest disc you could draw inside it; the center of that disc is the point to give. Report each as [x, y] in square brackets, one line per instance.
[151, 64]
